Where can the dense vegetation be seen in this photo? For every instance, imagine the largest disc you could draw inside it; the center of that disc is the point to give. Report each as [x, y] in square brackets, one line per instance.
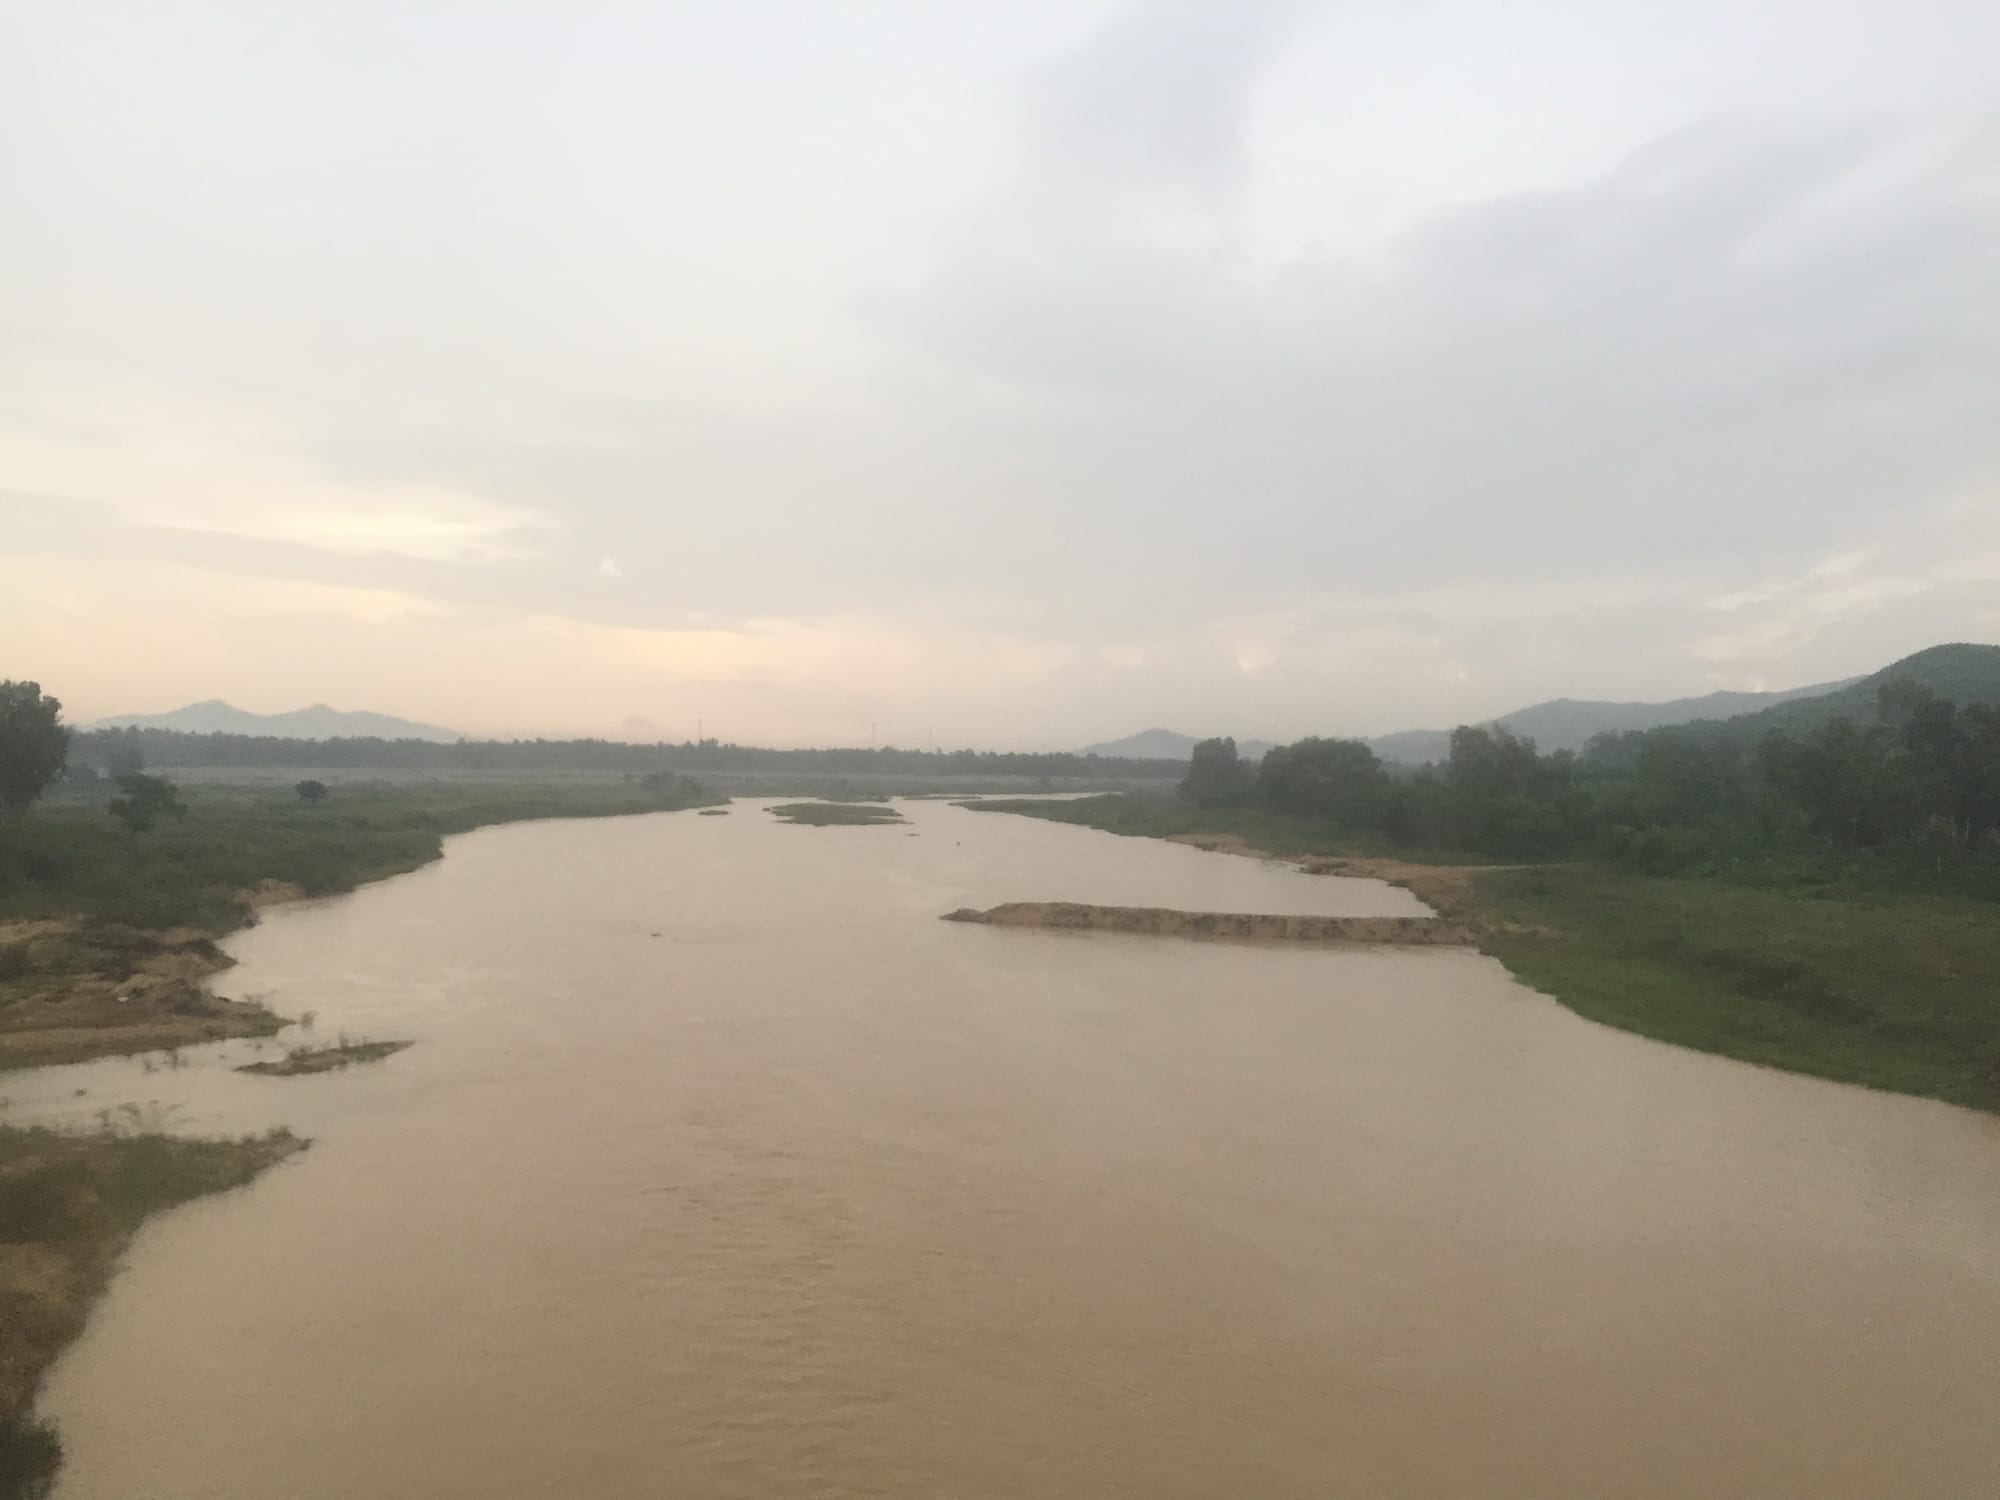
[33, 744]
[1913, 794]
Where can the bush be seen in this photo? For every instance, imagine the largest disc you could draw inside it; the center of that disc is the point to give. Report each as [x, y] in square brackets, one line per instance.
[1665, 851]
[30, 1454]
[42, 866]
[144, 800]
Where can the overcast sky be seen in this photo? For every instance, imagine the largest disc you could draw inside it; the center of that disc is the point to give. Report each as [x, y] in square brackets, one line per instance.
[1015, 375]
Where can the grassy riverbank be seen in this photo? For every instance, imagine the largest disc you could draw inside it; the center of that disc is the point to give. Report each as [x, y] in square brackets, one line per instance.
[107, 937]
[68, 1206]
[1887, 989]
[1825, 976]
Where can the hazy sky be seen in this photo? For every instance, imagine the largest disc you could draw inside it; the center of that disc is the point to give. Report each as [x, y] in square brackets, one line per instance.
[1014, 374]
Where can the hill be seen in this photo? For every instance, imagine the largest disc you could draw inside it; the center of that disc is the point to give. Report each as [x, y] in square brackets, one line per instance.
[1165, 744]
[1962, 672]
[1571, 723]
[315, 723]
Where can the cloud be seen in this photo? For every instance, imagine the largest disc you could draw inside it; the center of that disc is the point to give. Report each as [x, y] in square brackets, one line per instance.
[890, 328]
[1156, 101]
[1639, 367]
[1738, 349]
[410, 521]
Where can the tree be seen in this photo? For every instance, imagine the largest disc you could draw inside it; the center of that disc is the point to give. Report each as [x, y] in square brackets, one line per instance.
[1216, 778]
[123, 750]
[1489, 764]
[1980, 778]
[1841, 778]
[145, 800]
[1338, 780]
[1503, 797]
[33, 744]
[311, 791]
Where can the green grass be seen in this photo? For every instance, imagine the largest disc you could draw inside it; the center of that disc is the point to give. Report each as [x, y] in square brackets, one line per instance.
[831, 814]
[1895, 991]
[30, 1454]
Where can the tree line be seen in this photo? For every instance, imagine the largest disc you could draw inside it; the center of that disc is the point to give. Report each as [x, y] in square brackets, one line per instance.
[117, 751]
[1922, 783]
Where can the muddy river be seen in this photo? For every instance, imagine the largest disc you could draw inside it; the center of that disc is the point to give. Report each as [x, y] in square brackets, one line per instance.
[721, 1167]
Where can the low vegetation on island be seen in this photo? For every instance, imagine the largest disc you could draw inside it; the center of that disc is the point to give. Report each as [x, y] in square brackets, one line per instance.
[323, 1057]
[1815, 887]
[836, 814]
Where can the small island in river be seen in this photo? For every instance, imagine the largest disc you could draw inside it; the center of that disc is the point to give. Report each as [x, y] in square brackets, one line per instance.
[327, 1057]
[831, 814]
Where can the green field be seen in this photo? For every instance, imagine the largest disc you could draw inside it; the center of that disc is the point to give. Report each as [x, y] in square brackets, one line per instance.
[1891, 990]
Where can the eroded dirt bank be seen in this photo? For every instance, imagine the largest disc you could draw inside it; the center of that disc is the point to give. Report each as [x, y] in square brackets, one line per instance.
[79, 990]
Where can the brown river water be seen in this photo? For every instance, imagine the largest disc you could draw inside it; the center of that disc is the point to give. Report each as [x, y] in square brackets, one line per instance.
[722, 1168]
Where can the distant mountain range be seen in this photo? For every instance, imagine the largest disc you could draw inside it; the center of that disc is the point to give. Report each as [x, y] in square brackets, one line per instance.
[1166, 744]
[1963, 673]
[315, 723]
[1572, 723]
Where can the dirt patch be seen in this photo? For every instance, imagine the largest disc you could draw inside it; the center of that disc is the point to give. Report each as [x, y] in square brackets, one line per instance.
[103, 990]
[1223, 843]
[1452, 891]
[1159, 921]
[26, 931]
[271, 893]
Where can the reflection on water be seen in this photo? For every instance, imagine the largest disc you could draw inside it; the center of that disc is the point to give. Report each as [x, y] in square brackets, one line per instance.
[722, 1168]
